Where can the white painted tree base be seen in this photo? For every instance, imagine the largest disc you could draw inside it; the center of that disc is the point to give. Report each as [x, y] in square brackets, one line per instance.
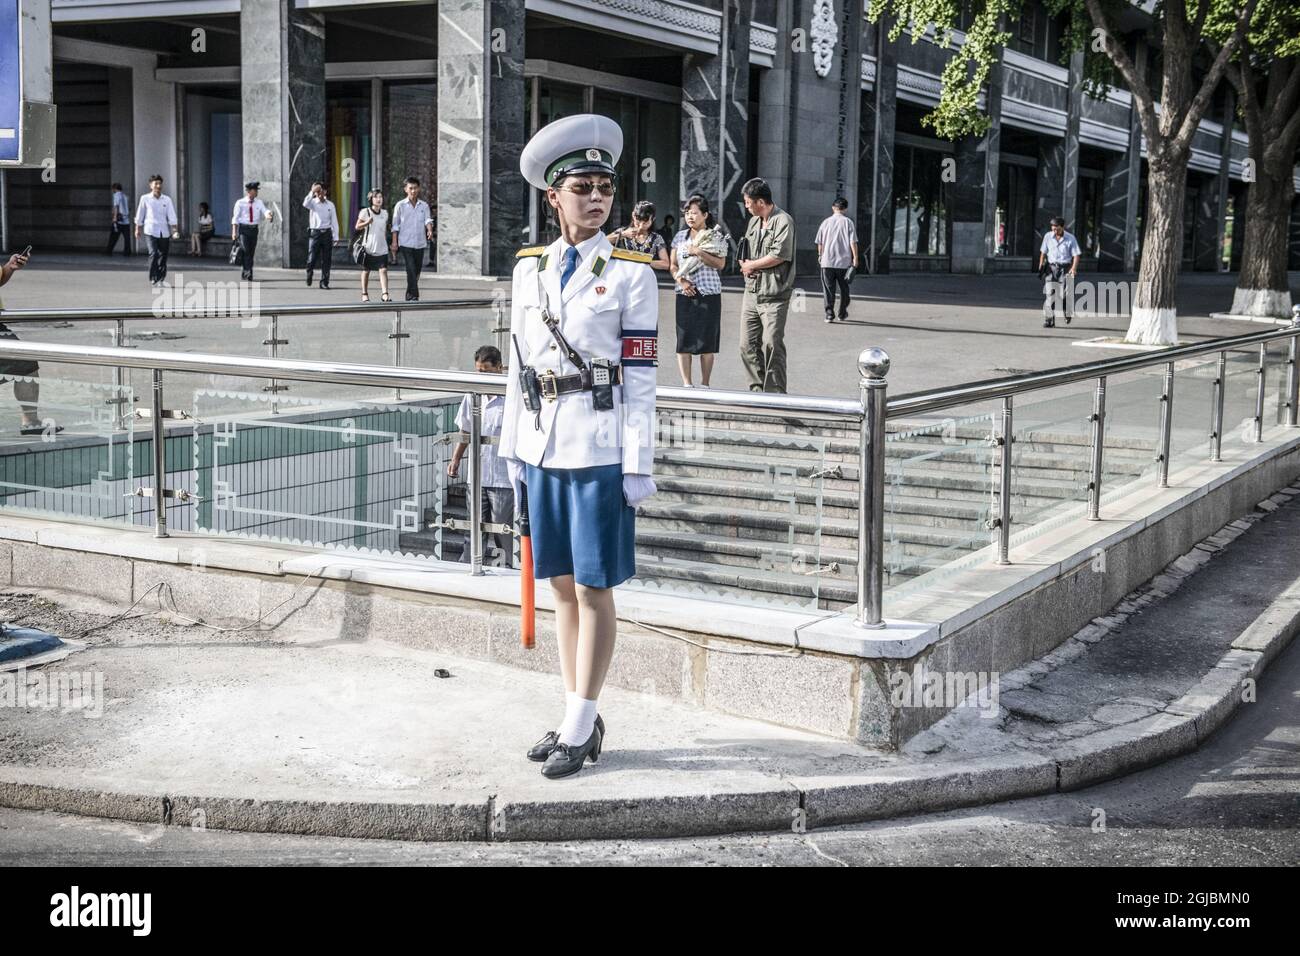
[1262, 303]
[1152, 326]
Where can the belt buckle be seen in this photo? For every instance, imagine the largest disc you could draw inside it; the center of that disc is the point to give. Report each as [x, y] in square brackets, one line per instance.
[550, 390]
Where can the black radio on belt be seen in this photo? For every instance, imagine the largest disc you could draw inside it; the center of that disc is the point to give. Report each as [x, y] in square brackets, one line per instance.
[528, 384]
[603, 373]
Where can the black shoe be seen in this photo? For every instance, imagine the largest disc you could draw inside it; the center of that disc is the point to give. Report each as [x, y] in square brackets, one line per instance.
[542, 749]
[1049, 323]
[1068, 318]
[309, 278]
[37, 429]
[568, 759]
[324, 284]
[830, 318]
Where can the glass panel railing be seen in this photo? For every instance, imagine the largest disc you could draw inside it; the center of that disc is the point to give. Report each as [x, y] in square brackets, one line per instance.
[360, 475]
[750, 511]
[1189, 436]
[71, 455]
[1132, 435]
[1051, 459]
[940, 487]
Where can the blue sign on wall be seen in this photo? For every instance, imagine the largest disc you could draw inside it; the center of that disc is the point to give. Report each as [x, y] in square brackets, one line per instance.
[11, 81]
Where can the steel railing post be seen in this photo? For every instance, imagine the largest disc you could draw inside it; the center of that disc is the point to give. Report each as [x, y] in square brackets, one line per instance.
[1004, 495]
[159, 459]
[1098, 445]
[1293, 370]
[874, 366]
[1259, 392]
[1166, 424]
[397, 337]
[474, 507]
[1216, 411]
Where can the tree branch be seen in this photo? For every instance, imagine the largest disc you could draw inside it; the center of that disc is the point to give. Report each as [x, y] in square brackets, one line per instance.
[1137, 85]
[1194, 113]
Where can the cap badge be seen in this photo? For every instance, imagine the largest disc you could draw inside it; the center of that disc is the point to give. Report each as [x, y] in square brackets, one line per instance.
[593, 154]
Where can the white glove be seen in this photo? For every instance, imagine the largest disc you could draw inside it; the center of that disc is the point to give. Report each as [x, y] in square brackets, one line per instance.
[516, 470]
[636, 488]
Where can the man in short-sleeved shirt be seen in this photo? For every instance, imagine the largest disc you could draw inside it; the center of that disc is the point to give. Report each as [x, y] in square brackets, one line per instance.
[767, 264]
[837, 253]
[498, 497]
[1058, 263]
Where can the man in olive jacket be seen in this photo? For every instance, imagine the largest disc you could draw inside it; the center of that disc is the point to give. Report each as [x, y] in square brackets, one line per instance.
[768, 268]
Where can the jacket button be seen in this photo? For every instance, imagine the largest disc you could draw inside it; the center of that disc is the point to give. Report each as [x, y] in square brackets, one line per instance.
[553, 348]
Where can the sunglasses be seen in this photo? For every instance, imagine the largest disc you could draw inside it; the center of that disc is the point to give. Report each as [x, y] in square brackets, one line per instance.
[585, 188]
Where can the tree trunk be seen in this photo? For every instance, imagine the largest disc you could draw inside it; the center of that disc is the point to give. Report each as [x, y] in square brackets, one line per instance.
[1154, 320]
[1262, 287]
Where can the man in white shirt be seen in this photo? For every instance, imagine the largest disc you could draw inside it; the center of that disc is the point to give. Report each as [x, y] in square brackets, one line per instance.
[121, 222]
[322, 232]
[837, 253]
[498, 497]
[412, 233]
[155, 216]
[248, 215]
[1058, 263]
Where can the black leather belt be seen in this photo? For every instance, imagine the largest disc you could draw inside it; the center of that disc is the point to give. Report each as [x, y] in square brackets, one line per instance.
[553, 386]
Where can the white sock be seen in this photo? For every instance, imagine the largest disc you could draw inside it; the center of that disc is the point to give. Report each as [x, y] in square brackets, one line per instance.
[570, 708]
[584, 719]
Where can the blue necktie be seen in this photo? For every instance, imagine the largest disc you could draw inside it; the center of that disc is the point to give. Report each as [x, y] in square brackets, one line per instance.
[570, 264]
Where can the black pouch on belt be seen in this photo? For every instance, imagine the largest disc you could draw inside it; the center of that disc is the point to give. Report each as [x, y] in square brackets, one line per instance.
[602, 384]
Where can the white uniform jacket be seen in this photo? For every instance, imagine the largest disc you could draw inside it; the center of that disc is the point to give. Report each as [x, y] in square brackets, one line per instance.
[609, 309]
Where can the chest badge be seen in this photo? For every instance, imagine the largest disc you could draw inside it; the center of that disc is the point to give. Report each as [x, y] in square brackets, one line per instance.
[600, 290]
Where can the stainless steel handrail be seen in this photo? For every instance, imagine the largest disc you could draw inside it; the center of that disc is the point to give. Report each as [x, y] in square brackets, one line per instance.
[341, 308]
[869, 415]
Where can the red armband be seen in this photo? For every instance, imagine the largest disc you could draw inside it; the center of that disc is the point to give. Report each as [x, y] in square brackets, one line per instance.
[640, 347]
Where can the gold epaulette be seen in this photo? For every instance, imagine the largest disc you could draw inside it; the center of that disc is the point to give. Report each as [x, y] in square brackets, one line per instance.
[629, 254]
[530, 251]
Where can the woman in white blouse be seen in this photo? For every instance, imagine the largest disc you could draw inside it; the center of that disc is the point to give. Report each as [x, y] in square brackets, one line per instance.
[374, 219]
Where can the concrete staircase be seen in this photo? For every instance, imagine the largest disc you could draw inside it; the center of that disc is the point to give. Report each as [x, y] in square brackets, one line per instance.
[752, 510]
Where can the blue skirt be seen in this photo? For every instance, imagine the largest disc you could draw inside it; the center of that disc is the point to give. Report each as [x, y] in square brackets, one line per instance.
[581, 525]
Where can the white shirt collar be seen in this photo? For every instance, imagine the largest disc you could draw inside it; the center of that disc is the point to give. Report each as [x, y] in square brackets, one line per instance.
[584, 248]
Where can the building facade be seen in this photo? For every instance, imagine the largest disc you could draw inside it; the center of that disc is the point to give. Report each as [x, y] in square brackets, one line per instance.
[805, 93]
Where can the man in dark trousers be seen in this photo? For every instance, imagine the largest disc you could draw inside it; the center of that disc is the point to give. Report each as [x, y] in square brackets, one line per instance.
[248, 215]
[412, 233]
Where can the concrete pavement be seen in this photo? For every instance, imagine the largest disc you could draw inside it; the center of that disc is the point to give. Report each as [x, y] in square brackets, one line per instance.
[273, 731]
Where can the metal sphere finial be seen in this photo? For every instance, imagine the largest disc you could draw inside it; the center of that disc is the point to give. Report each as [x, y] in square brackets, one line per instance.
[873, 363]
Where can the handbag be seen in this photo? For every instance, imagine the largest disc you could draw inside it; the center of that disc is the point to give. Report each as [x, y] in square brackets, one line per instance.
[236, 254]
[359, 245]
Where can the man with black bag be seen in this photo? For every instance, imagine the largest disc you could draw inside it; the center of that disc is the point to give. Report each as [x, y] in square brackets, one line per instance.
[1058, 264]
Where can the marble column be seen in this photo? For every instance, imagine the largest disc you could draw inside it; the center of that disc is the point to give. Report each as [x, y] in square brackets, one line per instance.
[975, 194]
[1073, 114]
[715, 121]
[875, 201]
[282, 87]
[481, 214]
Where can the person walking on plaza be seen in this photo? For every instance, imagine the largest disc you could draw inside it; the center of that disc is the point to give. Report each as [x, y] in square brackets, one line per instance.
[641, 237]
[768, 268]
[412, 233]
[837, 255]
[578, 431]
[498, 500]
[250, 212]
[27, 393]
[207, 227]
[699, 251]
[1058, 264]
[322, 232]
[374, 247]
[121, 222]
[155, 216]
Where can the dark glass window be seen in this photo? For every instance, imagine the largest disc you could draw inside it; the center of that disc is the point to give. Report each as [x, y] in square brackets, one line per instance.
[920, 203]
[1014, 223]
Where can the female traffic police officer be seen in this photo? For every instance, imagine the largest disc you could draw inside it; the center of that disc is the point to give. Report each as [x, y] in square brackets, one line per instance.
[578, 427]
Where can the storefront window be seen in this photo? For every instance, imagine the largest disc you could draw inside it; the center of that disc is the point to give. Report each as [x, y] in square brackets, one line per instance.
[920, 203]
[214, 152]
[1014, 222]
[410, 114]
[349, 149]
